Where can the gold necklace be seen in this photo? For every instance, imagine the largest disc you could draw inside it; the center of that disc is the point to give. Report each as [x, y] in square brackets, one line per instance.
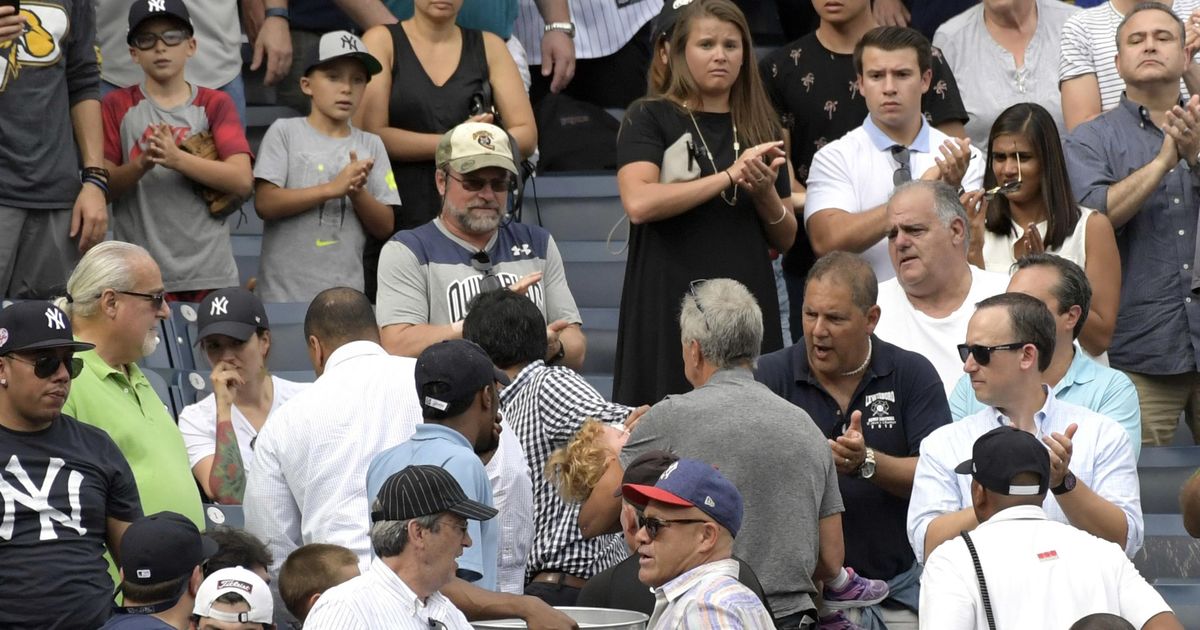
[737, 148]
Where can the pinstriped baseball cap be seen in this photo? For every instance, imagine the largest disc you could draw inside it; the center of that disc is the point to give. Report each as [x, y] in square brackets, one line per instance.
[423, 491]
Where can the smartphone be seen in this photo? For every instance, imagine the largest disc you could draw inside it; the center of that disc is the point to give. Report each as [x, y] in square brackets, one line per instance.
[15, 4]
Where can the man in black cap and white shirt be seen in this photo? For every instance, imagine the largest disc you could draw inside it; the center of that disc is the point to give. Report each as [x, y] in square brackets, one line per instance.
[67, 490]
[161, 573]
[418, 528]
[1038, 573]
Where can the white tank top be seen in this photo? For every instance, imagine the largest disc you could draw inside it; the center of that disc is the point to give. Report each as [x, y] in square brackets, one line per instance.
[998, 250]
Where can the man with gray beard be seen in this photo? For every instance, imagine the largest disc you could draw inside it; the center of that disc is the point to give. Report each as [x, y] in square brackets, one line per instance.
[429, 275]
[115, 301]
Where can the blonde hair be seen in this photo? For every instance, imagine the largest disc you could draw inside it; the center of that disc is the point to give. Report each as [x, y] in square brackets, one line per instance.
[577, 467]
[108, 265]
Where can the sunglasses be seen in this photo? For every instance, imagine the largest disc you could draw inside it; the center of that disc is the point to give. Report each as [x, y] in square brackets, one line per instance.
[156, 299]
[693, 288]
[481, 262]
[653, 525]
[903, 172]
[983, 354]
[147, 41]
[46, 365]
[476, 184]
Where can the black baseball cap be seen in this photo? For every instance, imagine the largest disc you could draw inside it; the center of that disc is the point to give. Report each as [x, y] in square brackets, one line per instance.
[664, 24]
[425, 490]
[142, 10]
[1003, 453]
[163, 547]
[234, 312]
[645, 469]
[450, 373]
[36, 325]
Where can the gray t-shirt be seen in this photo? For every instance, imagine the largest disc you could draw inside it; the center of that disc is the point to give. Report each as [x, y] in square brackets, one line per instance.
[218, 58]
[321, 247]
[778, 459]
[426, 277]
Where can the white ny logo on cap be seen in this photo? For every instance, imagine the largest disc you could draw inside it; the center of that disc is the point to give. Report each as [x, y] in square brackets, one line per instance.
[157, 5]
[220, 306]
[54, 319]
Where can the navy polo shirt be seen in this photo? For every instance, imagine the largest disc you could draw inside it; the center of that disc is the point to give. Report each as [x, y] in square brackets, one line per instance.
[902, 400]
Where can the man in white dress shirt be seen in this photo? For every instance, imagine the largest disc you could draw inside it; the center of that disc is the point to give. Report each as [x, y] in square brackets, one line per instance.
[1039, 573]
[418, 528]
[925, 308]
[307, 483]
[1093, 475]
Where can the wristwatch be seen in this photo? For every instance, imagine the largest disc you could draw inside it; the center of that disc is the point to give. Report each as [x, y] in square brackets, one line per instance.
[866, 470]
[1067, 485]
[278, 12]
[566, 27]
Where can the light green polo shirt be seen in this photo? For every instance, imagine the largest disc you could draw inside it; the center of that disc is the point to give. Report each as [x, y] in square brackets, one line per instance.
[133, 415]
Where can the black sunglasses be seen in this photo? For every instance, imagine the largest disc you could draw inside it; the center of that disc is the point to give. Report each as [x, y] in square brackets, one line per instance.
[983, 354]
[481, 262]
[156, 299]
[693, 287]
[476, 184]
[654, 525]
[46, 365]
[146, 41]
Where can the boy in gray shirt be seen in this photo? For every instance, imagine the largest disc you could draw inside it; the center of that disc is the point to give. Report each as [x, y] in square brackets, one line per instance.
[317, 197]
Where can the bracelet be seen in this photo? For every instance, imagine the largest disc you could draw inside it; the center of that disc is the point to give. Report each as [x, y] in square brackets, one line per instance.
[279, 12]
[782, 216]
[731, 184]
[93, 171]
[98, 183]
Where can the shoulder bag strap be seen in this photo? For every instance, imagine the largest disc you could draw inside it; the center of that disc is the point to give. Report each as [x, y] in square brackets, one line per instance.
[983, 592]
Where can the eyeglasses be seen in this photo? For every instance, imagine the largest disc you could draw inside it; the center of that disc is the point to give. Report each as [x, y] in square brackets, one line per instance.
[481, 262]
[156, 299]
[693, 290]
[983, 354]
[476, 184]
[146, 41]
[654, 525]
[46, 365]
[460, 526]
[903, 173]
[1004, 189]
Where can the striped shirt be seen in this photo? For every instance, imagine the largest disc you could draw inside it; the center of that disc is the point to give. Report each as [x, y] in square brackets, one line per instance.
[1089, 46]
[709, 596]
[512, 495]
[601, 26]
[380, 599]
[546, 406]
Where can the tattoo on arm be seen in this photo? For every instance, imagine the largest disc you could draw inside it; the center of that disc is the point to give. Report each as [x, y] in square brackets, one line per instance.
[228, 476]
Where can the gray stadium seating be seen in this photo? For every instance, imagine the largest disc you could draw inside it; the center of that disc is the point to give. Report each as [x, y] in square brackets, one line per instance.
[1183, 596]
[1162, 471]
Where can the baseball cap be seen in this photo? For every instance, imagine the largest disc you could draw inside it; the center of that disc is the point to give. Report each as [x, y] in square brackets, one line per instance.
[645, 469]
[234, 312]
[239, 581]
[159, 548]
[36, 325]
[474, 145]
[693, 483]
[664, 24]
[338, 44]
[449, 374]
[1003, 453]
[142, 10]
[423, 490]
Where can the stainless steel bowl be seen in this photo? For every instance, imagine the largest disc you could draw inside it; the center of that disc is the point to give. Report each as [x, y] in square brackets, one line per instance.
[587, 618]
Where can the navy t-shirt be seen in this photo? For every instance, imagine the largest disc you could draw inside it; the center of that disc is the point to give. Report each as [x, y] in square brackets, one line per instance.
[902, 400]
[136, 622]
[59, 485]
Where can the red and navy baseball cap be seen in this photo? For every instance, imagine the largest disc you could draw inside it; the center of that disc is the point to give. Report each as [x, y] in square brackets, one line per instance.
[693, 483]
[36, 325]
[233, 312]
[1001, 454]
[142, 10]
[450, 373]
[645, 469]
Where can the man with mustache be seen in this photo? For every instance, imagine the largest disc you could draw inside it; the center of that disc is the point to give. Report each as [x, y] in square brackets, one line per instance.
[429, 275]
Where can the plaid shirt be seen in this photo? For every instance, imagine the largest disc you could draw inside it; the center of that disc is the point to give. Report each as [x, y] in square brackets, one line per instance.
[546, 406]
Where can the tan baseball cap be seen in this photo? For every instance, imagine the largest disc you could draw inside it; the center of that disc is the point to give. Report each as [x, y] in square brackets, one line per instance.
[475, 145]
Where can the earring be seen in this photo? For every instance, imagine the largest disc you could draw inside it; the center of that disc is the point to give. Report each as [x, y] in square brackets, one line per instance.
[3, 382]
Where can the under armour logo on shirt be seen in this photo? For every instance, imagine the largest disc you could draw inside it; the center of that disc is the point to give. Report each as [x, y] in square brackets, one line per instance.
[523, 248]
[54, 319]
[158, 5]
[348, 43]
[220, 306]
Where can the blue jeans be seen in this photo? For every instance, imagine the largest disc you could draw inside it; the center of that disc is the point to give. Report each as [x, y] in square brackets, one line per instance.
[236, 89]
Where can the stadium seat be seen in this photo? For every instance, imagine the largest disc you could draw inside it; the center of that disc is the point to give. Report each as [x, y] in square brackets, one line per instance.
[1183, 596]
[1162, 470]
[163, 389]
[575, 207]
[1168, 550]
[289, 348]
[161, 357]
[297, 376]
[216, 515]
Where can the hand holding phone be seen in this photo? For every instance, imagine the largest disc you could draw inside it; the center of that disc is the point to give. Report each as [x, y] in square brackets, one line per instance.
[12, 24]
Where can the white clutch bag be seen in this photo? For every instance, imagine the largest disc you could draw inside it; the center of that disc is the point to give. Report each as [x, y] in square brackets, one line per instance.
[679, 162]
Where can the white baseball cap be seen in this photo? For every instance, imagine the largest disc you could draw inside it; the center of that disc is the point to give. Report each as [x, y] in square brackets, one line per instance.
[242, 582]
[338, 44]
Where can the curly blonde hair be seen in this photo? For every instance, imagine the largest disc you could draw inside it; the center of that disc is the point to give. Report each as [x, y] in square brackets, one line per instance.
[577, 467]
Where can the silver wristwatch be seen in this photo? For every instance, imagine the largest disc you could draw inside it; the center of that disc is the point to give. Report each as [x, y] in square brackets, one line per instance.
[566, 27]
[867, 469]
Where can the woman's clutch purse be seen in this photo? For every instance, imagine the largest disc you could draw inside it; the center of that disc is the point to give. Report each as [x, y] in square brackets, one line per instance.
[679, 162]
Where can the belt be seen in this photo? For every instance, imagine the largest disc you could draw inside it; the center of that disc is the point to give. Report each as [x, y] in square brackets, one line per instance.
[559, 578]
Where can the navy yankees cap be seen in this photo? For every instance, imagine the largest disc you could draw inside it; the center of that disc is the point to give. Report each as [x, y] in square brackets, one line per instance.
[36, 325]
[425, 490]
[163, 547]
[450, 373]
[142, 10]
[693, 483]
[1003, 453]
[233, 312]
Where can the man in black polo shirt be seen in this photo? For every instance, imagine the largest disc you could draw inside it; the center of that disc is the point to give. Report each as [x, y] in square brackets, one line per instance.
[875, 402]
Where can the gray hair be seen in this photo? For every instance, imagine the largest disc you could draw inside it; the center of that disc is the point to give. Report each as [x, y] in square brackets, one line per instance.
[105, 266]
[946, 205]
[1151, 6]
[724, 318]
[388, 538]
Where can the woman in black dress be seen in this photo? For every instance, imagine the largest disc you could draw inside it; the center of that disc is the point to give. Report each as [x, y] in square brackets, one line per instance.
[699, 181]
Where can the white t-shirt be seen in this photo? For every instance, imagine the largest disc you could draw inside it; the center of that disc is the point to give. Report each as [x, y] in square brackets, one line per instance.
[854, 173]
[198, 424]
[935, 339]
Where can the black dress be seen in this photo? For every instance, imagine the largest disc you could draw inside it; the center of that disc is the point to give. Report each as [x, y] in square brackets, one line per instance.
[712, 240]
[417, 104]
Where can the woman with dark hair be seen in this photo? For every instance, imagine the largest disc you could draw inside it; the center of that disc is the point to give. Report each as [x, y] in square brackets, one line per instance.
[699, 181]
[1032, 209]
